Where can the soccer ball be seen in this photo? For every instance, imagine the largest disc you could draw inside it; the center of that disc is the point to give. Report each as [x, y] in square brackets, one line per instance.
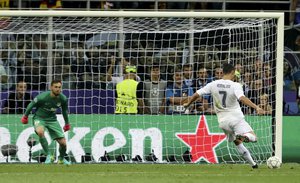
[273, 162]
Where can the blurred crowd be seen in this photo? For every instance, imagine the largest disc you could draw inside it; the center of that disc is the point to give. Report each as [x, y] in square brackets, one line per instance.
[83, 63]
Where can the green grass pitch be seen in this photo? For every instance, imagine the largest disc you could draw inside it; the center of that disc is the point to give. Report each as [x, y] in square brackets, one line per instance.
[152, 173]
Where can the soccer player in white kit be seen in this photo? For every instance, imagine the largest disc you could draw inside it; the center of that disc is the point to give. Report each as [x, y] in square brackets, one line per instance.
[226, 96]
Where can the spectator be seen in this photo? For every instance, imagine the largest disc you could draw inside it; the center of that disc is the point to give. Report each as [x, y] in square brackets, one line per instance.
[21, 56]
[188, 74]
[197, 5]
[80, 62]
[35, 74]
[58, 63]
[86, 81]
[257, 90]
[40, 43]
[82, 66]
[50, 4]
[258, 69]
[155, 91]
[3, 76]
[99, 63]
[202, 80]
[117, 79]
[218, 73]
[177, 5]
[17, 101]
[267, 76]
[288, 79]
[4, 4]
[177, 93]
[247, 82]
[295, 12]
[239, 68]
[68, 79]
[264, 104]
[129, 94]
[8, 61]
[106, 5]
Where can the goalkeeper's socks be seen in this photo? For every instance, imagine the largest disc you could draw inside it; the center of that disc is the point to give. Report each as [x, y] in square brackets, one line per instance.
[62, 152]
[245, 153]
[44, 144]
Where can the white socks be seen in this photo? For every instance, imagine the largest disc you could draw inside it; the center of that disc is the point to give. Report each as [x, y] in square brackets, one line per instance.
[245, 153]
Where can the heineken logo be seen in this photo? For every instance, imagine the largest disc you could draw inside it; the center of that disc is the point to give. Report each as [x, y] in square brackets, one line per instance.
[202, 143]
[131, 135]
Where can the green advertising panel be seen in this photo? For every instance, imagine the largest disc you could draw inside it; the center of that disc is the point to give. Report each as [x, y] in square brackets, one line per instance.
[131, 135]
[291, 140]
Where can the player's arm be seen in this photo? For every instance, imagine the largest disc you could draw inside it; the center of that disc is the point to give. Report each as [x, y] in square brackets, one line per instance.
[29, 108]
[239, 93]
[269, 110]
[64, 110]
[177, 100]
[248, 102]
[191, 99]
[197, 94]
[31, 105]
[174, 100]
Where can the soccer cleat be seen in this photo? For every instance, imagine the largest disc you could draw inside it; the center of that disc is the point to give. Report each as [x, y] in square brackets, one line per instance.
[255, 166]
[63, 161]
[49, 159]
[243, 138]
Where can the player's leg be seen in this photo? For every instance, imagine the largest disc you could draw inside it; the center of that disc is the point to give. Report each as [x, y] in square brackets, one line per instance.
[228, 131]
[39, 127]
[240, 129]
[62, 151]
[245, 153]
[244, 132]
[247, 137]
[56, 133]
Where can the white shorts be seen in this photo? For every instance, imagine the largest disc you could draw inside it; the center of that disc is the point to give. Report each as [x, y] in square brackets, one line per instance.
[232, 129]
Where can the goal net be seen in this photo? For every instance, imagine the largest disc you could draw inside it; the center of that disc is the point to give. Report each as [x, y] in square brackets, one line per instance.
[170, 55]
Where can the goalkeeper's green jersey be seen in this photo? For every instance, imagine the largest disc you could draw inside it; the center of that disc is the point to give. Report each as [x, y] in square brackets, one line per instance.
[46, 106]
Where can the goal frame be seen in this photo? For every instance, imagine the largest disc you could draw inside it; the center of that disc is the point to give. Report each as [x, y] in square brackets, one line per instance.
[163, 14]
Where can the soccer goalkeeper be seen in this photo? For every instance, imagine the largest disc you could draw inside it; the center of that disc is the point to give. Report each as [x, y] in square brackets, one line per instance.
[44, 118]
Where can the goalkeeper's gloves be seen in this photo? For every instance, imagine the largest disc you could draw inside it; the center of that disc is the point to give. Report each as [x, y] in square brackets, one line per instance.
[24, 119]
[67, 127]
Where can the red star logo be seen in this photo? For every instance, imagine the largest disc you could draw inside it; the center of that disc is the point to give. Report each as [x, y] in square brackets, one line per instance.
[202, 143]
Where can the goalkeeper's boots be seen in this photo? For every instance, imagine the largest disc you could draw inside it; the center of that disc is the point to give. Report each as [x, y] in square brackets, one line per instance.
[243, 138]
[49, 159]
[63, 161]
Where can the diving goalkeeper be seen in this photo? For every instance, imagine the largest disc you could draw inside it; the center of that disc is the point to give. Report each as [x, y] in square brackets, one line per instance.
[44, 118]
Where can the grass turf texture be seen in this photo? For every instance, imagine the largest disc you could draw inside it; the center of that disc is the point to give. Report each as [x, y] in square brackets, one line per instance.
[154, 173]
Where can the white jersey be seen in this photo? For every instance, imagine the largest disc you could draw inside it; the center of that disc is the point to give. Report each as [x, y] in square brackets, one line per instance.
[225, 95]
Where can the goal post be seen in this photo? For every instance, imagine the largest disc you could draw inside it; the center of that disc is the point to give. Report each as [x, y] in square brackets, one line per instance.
[56, 39]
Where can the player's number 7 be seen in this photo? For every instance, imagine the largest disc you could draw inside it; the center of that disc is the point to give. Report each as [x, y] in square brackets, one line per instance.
[224, 95]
